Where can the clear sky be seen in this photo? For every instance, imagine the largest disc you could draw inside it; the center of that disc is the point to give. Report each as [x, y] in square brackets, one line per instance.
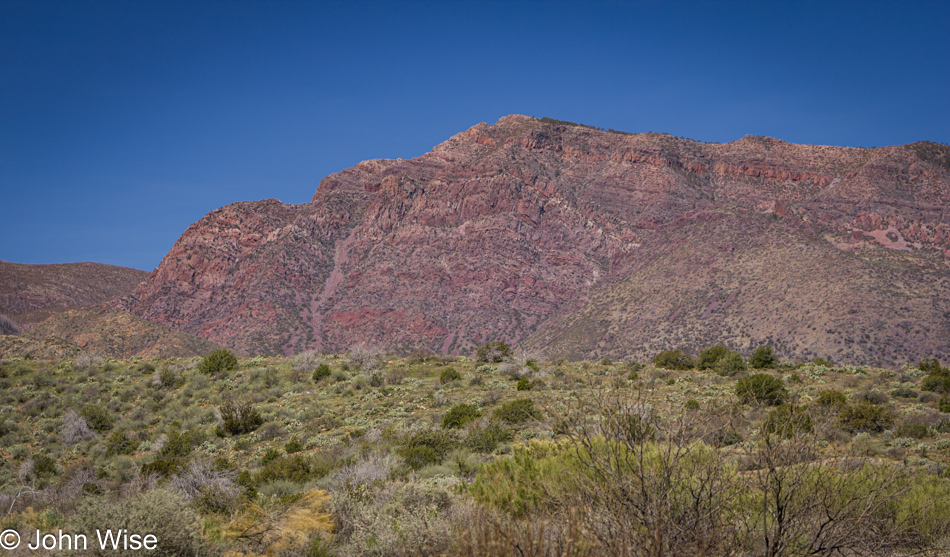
[121, 123]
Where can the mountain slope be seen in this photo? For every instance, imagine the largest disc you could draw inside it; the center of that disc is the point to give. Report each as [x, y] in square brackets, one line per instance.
[31, 293]
[577, 241]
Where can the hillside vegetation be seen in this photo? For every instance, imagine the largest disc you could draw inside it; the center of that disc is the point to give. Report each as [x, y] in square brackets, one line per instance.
[372, 454]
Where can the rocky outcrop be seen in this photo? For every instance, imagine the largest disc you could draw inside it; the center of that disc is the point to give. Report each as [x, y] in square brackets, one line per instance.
[580, 242]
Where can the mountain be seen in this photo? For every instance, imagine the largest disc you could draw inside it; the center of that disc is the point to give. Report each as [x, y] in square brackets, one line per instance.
[579, 242]
[31, 293]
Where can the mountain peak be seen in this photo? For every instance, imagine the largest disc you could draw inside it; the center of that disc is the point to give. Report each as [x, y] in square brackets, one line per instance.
[583, 243]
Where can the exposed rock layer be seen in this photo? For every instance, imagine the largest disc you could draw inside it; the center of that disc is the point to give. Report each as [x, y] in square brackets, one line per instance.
[580, 242]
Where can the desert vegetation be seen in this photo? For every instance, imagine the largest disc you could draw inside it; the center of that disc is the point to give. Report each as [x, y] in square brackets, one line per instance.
[366, 453]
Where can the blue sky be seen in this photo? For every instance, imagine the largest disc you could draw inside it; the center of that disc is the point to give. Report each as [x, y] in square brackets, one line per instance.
[121, 123]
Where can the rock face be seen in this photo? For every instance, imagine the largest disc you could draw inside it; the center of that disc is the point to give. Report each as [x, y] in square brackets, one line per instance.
[579, 242]
[31, 293]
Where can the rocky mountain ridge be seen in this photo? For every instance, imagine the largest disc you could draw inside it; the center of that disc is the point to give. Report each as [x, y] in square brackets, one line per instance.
[581, 242]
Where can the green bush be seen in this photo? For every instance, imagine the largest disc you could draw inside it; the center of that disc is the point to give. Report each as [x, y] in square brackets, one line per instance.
[944, 404]
[178, 444]
[448, 375]
[517, 411]
[914, 431]
[524, 384]
[831, 398]
[787, 420]
[486, 439]
[122, 442]
[218, 361]
[293, 446]
[239, 418]
[865, 416]
[933, 366]
[761, 388]
[763, 358]
[426, 447]
[730, 364]
[97, 417]
[163, 466]
[710, 356]
[823, 363]
[460, 415]
[936, 383]
[904, 392]
[294, 468]
[493, 352]
[321, 372]
[672, 359]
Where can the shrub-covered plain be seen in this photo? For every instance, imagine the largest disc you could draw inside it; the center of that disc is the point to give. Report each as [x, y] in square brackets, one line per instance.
[378, 454]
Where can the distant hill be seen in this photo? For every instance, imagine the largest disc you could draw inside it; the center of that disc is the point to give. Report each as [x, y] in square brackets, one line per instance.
[118, 334]
[31, 293]
[579, 242]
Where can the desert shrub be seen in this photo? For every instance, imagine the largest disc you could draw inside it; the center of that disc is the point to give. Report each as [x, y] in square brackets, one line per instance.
[122, 442]
[269, 455]
[763, 358]
[322, 371]
[904, 392]
[405, 518]
[86, 361]
[823, 362]
[761, 388]
[873, 396]
[7, 326]
[448, 375]
[179, 444]
[936, 383]
[239, 418]
[932, 366]
[692, 405]
[486, 439]
[730, 364]
[294, 468]
[293, 446]
[710, 356]
[865, 416]
[831, 398]
[944, 404]
[914, 431]
[517, 411]
[217, 362]
[210, 487]
[160, 512]
[459, 415]
[305, 362]
[74, 429]
[169, 378]
[97, 417]
[788, 420]
[524, 384]
[493, 352]
[673, 359]
[365, 357]
[163, 466]
[425, 447]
